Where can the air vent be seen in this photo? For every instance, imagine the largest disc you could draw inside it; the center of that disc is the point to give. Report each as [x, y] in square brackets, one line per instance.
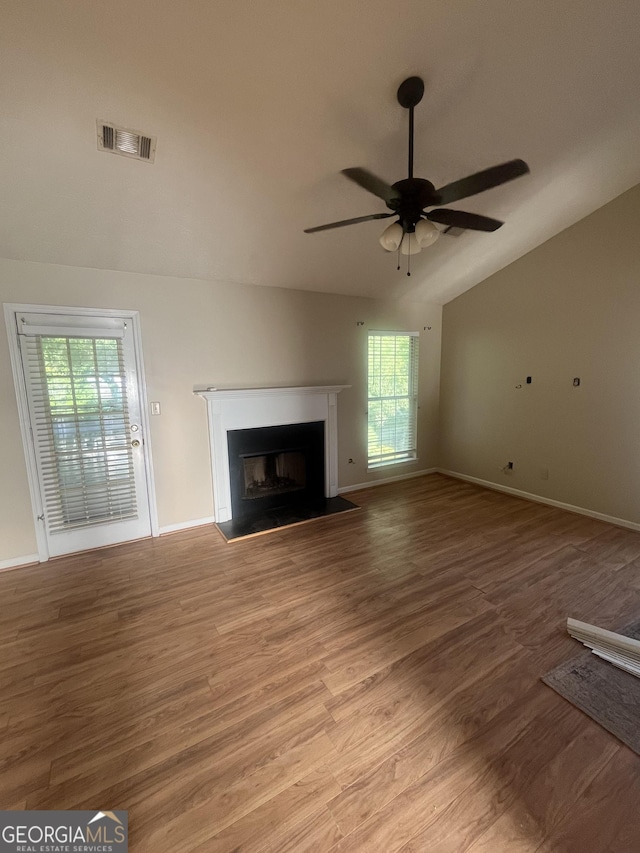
[108, 137]
[128, 143]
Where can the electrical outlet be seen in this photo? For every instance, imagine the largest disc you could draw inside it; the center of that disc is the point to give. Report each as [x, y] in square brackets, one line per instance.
[155, 408]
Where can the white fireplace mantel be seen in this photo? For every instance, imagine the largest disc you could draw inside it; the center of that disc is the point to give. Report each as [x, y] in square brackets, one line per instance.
[249, 408]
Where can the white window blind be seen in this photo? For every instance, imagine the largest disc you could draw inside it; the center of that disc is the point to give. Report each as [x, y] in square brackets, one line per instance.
[392, 397]
[77, 396]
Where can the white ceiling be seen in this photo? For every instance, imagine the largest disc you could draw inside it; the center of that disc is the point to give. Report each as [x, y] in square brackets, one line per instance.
[258, 105]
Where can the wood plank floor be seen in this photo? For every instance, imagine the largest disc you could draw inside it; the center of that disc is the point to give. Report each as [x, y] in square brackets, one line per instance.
[366, 682]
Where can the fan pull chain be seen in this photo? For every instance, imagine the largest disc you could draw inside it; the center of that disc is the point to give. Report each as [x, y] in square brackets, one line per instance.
[409, 264]
[399, 256]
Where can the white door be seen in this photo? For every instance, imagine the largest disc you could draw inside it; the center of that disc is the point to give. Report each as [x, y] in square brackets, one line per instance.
[83, 396]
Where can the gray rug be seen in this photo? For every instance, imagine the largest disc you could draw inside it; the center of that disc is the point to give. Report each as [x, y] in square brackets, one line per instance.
[608, 695]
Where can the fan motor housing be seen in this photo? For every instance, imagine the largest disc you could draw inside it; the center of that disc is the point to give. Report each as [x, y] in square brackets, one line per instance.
[414, 195]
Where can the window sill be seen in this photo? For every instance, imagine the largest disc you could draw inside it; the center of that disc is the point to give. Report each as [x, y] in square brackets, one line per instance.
[375, 465]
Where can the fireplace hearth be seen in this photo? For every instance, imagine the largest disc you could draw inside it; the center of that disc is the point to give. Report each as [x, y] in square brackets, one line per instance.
[283, 516]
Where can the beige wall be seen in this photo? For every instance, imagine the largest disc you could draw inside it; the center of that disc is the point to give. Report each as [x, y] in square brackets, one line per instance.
[570, 308]
[204, 333]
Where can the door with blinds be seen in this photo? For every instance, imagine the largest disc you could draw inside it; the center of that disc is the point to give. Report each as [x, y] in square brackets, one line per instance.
[83, 396]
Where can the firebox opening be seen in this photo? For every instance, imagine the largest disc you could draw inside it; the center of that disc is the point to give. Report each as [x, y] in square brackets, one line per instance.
[276, 466]
[274, 474]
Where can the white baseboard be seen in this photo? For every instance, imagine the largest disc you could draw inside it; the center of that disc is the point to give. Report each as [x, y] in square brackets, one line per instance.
[185, 525]
[371, 483]
[518, 493]
[16, 562]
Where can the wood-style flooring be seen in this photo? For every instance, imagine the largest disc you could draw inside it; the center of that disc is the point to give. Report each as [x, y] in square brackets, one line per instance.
[366, 682]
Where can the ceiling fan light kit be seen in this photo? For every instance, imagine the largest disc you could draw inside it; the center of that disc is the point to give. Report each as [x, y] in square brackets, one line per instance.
[391, 237]
[426, 233]
[409, 199]
[410, 245]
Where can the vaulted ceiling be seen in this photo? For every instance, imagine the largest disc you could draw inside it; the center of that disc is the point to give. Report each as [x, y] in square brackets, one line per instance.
[257, 106]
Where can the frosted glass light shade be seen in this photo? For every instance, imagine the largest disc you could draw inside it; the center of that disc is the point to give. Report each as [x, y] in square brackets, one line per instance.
[410, 245]
[426, 233]
[391, 237]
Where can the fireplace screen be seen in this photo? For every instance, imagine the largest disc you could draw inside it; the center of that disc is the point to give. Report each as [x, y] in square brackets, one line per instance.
[274, 474]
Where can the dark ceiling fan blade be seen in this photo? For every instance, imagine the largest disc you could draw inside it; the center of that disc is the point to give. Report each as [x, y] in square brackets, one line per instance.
[370, 182]
[481, 181]
[460, 219]
[348, 222]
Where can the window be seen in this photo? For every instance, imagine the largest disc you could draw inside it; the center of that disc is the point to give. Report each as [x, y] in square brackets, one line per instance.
[393, 397]
[81, 423]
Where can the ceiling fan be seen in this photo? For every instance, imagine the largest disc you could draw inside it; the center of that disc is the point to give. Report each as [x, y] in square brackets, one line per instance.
[408, 199]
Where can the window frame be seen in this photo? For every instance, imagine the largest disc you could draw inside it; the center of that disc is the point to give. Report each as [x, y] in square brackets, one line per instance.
[405, 451]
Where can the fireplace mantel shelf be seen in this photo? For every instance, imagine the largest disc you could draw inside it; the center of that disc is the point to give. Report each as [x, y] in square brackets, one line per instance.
[212, 391]
[248, 408]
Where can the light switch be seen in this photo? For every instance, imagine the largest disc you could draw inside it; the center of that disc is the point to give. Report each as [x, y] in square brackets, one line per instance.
[155, 408]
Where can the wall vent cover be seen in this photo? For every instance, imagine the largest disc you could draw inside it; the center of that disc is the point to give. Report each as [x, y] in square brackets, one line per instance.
[128, 143]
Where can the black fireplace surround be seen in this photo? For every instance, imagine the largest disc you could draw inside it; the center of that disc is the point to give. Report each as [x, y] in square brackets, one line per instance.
[274, 467]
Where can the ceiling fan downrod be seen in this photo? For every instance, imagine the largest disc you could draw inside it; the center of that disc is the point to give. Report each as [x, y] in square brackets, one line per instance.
[409, 95]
